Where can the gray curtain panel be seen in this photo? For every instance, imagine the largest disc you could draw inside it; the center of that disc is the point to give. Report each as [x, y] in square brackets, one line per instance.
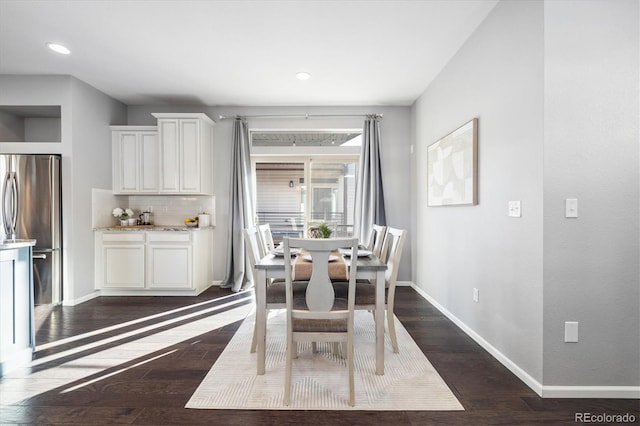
[241, 211]
[369, 194]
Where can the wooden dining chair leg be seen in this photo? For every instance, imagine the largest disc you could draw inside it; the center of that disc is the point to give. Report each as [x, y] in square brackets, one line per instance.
[392, 331]
[254, 339]
[291, 347]
[352, 394]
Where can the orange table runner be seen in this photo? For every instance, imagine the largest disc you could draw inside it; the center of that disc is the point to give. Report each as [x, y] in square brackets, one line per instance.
[302, 268]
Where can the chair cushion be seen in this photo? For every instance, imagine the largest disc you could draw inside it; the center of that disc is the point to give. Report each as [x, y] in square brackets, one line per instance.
[339, 303]
[365, 291]
[276, 291]
[319, 325]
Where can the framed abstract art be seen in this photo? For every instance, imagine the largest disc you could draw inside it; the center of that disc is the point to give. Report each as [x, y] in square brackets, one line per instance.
[452, 167]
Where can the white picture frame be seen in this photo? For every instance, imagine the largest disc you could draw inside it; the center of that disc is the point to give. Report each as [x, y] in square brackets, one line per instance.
[452, 168]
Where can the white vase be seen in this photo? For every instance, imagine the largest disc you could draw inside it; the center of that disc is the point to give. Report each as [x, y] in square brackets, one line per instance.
[124, 222]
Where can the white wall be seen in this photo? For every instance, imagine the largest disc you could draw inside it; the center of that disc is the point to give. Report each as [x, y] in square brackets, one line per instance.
[497, 76]
[555, 87]
[591, 153]
[395, 130]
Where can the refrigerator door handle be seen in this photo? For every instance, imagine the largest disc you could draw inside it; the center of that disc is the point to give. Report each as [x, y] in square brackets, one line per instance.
[45, 250]
[5, 211]
[39, 256]
[14, 193]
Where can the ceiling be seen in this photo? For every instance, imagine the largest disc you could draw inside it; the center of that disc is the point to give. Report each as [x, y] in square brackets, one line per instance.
[241, 52]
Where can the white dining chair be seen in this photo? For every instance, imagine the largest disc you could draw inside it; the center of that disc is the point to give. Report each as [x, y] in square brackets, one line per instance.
[317, 315]
[275, 290]
[376, 239]
[254, 253]
[366, 290]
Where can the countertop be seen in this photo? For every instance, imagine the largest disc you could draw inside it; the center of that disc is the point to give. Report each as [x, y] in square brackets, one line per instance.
[155, 228]
[15, 244]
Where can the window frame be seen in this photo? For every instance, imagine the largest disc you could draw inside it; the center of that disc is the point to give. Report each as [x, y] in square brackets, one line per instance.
[307, 161]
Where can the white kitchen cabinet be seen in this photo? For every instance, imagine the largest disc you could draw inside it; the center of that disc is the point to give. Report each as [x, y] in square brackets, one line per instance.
[135, 159]
[122, 260]
[16, 308]
[186, 153]
[154, 262]
[169, 260]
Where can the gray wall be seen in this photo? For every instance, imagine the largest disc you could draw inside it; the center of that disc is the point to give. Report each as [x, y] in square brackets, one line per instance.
[89, 167]
[555, 87]
[11, 128]
[395, 130]
[591, 153]
[86, 161]
[497, 76]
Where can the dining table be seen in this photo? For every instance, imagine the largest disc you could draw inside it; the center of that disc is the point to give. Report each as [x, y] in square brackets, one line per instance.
[272, 266]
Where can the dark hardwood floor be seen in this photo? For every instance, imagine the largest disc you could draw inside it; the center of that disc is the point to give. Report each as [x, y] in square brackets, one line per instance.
[153, 389]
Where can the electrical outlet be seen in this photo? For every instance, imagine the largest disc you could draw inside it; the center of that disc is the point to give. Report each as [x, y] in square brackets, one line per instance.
[476, 295]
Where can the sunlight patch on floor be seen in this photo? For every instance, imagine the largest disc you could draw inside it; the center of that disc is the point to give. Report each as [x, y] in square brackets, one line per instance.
[21, 384]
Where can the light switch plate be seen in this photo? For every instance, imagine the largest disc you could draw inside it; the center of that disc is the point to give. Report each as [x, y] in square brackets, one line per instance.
[571, 208]
[571, 331]
[514, 209]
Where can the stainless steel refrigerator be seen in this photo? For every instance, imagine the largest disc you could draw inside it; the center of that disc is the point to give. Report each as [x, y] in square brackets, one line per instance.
[31, 207]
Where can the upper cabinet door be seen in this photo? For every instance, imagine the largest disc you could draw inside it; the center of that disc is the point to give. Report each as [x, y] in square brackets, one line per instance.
[125, 162]
[186, 153]
[149, 162]
[169, 131]
[135, 159]
[190, 156]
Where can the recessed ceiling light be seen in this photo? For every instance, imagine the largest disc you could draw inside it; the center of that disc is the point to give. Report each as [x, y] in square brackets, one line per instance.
[58, 48]
[303, 76]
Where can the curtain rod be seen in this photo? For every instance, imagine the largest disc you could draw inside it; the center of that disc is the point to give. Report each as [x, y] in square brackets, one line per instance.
[305, 116]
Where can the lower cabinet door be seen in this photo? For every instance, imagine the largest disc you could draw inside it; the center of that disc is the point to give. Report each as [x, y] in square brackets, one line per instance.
[169, 266]
[15, 307]
[123, 266]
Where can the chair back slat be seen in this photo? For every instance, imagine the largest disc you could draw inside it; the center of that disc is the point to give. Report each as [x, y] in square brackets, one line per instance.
[320, 294]
[266, 237]
[376, 239]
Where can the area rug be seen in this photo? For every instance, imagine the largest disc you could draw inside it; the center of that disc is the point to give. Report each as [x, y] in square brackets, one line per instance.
[319, 380]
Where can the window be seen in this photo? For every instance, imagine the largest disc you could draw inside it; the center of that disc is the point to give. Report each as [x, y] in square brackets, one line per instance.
[294, 192]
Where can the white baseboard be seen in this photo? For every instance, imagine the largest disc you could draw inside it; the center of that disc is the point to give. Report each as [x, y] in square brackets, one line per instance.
[616, 392]
[82, 299]
[16, 360]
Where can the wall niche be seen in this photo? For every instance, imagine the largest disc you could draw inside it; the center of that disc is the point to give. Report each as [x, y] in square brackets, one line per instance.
[30, 123]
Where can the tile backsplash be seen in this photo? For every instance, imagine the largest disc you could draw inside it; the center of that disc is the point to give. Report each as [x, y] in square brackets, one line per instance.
[103, 202]
[166, 210]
